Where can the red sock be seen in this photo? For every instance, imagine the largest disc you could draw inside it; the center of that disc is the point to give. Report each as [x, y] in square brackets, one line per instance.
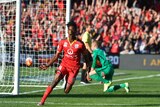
[46, 93]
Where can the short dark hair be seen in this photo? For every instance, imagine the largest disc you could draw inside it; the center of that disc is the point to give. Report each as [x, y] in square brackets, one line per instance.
[72, 23]
[97, 43]
[87, 25]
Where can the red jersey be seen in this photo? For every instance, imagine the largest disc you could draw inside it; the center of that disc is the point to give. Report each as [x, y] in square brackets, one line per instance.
[72, 53]
[115, 48]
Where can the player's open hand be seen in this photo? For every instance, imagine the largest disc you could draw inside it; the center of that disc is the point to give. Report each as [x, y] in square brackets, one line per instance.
[43, 67]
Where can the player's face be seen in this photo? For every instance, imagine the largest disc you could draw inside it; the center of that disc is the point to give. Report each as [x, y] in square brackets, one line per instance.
[71, 31]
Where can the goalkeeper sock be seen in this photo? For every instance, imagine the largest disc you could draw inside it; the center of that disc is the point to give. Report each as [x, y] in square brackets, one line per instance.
[122, 85]
[115, 87]
[46, 93]
[99, 78]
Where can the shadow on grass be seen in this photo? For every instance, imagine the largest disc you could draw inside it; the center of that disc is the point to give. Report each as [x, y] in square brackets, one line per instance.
[87, 95]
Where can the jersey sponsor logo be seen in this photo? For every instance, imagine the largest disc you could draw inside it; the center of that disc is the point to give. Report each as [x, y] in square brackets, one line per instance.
[65, 44]
[70, 51]
[76, 46]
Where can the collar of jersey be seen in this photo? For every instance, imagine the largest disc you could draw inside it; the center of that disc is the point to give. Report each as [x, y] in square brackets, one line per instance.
[72, 42]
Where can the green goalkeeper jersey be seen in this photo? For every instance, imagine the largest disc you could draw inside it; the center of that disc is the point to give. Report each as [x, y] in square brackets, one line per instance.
[100, 55]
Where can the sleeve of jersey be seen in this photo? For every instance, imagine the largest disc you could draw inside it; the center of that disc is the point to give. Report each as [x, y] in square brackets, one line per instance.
[94, 60]
[60, 46]
[85, 38]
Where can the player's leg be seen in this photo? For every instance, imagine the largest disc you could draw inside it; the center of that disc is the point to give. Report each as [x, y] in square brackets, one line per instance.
[109, 74]
[49, 89]
[70, 79]
[99, 76]
[96, 76]
[58, 76]
[83, 74]
[119, 86]
[68, 88]
[85, 70]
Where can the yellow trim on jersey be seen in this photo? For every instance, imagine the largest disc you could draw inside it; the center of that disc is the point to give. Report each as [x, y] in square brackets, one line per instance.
[72, 42]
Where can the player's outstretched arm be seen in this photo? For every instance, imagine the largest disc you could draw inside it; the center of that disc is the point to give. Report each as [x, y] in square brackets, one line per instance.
[51, 61]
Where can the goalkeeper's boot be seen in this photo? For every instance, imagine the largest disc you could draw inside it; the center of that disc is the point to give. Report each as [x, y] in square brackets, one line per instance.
[106, 86]
[40, 104]
[127, 87]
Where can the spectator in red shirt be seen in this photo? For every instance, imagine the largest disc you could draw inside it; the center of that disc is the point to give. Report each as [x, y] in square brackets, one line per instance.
[115, 47]
[60, 4]
[40, 33]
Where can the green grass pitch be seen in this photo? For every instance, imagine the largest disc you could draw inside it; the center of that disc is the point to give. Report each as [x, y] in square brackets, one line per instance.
[144, 85]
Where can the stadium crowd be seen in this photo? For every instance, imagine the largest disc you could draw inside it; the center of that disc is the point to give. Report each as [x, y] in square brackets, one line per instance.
[120, 28]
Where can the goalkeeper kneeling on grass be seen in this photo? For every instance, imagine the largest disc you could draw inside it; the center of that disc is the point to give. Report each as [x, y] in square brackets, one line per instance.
[102, 70]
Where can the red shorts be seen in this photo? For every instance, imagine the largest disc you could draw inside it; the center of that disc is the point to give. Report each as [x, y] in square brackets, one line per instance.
[70, 73]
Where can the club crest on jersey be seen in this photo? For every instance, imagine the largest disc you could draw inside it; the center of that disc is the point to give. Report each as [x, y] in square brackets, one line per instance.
[76, 46]
[70, 51]
[65, 44]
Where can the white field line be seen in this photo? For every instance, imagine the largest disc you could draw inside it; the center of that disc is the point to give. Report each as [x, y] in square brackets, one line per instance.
[87, 104]
[124, 79]
[77, 104]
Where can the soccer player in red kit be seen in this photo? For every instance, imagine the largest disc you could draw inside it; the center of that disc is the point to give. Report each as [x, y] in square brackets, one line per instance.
[70, 63]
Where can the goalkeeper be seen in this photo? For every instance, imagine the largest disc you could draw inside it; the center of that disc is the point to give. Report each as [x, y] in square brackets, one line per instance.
[102, 70]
